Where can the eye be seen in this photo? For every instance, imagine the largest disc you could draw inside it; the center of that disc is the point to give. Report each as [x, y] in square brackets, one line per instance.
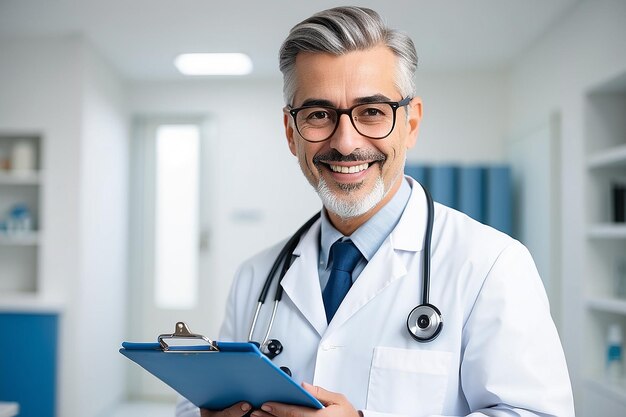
[318, 115]
[370, 113]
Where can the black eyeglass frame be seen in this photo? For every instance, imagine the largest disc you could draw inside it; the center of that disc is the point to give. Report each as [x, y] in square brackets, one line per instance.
[395, 105]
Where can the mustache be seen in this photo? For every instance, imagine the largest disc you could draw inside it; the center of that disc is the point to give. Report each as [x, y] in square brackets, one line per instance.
[359, 155]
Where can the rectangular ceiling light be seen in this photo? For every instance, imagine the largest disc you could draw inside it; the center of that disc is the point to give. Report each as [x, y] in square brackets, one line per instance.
[214, 64]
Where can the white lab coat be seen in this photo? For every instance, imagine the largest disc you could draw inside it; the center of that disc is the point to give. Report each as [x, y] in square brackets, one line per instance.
[498, 353]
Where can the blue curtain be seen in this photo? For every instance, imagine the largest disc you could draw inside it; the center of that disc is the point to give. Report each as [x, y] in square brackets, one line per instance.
[482, 192]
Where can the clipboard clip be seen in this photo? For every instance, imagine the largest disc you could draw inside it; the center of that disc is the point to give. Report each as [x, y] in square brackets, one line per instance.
[182, 332]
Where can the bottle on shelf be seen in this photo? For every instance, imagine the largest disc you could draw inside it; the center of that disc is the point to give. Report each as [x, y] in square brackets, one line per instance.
[5, 161]
[19, 220]
[23, 157]
[614, 364]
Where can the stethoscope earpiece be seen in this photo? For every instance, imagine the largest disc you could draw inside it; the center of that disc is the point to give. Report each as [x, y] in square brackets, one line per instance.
[424, 322]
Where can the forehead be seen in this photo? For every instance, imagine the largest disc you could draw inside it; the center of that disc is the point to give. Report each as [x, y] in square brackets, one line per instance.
[341, 79]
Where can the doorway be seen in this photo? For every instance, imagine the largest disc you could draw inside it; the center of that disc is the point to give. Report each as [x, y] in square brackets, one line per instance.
[171, 256]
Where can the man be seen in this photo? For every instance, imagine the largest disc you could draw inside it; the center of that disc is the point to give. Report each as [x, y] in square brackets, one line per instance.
[498, 352]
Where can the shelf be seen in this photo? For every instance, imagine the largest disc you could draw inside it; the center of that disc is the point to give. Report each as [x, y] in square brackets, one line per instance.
[607, 305]
[24, 302]
[20, 178]
[9, 409]
[607, 231]
[612, 157]
[21, 239]
[614, 390]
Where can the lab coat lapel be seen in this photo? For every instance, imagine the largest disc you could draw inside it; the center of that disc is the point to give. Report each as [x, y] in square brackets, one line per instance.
[384, 268]
[387, 265]
[301, 282]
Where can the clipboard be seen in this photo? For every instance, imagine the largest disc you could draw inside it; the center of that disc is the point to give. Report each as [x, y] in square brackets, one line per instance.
[216, 375]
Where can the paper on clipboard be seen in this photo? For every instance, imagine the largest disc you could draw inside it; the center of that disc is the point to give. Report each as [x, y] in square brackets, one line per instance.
[215, 375]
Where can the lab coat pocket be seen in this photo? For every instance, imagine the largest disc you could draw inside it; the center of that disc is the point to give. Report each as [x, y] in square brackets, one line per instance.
[410, 382]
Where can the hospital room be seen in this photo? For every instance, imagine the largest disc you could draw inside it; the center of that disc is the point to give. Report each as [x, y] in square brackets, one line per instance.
[188, 227]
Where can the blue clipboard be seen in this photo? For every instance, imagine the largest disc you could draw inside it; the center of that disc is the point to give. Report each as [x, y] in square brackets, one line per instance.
[216, 375]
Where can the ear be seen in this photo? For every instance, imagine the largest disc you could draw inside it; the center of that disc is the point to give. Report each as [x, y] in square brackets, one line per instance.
[289, 131]
[415, 117]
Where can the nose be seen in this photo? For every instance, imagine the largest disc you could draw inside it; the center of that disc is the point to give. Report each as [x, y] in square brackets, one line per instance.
[346, 139]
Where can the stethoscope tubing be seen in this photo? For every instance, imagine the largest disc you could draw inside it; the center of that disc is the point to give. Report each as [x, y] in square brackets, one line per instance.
[427, 244]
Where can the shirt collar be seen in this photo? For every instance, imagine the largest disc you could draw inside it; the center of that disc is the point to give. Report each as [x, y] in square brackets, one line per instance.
[370, 236]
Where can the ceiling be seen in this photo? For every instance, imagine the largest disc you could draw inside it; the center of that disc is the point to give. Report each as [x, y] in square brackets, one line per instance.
[141, 37]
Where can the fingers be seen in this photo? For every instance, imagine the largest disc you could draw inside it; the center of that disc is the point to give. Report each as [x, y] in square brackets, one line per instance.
[236, 410]
[325, 397]
[283, 410]
[261, 413]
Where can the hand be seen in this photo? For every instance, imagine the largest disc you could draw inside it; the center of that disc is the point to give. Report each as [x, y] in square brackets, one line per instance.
[237, 410]
[336, 405]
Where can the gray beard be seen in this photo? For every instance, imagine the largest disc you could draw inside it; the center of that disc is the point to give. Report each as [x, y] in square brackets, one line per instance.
[346, 207]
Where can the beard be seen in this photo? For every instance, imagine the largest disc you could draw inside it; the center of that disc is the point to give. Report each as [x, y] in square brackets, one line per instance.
[346, 205]
[343, 202]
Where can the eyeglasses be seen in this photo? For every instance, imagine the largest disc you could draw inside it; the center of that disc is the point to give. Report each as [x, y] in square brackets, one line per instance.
[372, 120]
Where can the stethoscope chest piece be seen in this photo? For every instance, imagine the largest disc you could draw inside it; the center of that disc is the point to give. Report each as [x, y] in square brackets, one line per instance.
[424, 322]
[272, 348]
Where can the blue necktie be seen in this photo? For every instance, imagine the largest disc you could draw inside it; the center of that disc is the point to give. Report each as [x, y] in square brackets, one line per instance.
[345, 257]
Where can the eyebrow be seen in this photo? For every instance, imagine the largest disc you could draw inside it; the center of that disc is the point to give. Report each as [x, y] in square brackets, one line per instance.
[360, 100]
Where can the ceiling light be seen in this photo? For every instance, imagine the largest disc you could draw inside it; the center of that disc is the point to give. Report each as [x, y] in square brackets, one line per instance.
[214, 64]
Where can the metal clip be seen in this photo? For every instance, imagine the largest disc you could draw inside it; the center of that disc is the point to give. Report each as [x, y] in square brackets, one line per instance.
[182, 332]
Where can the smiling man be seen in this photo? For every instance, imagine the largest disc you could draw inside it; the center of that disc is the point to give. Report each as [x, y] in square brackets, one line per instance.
[379, 248]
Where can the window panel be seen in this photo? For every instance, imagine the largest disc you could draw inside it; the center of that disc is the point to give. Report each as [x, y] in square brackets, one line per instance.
[176, 216]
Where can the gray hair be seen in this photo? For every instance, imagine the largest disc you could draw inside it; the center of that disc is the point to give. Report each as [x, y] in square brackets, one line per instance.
[341, 30]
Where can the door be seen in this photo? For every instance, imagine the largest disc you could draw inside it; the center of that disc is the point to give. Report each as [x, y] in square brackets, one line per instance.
[171, 257]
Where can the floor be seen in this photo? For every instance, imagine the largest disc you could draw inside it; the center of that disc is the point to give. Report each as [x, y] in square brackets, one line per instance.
[143, 409]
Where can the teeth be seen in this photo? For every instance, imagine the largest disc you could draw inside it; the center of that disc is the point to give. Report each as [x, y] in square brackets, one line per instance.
[349, 170]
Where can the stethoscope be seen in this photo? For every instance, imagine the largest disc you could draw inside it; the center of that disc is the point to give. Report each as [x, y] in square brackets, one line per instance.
[424, 322]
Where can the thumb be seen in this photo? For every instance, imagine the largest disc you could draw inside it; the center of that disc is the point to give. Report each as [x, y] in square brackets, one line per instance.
[324, 396]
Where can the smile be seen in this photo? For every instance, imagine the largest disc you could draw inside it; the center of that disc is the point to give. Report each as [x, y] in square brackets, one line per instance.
[348, 170]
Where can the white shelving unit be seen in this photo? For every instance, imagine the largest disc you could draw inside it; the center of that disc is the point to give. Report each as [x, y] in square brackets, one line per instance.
[20, 250]
[612, 157]
[605, 297]
[606, 231]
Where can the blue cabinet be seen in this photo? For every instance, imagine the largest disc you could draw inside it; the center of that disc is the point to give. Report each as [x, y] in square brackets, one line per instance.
[28, 363]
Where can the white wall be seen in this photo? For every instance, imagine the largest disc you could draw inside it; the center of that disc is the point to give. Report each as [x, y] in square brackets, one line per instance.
[465, 118]
[585, 48]
[103, 192]
[57, 87]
